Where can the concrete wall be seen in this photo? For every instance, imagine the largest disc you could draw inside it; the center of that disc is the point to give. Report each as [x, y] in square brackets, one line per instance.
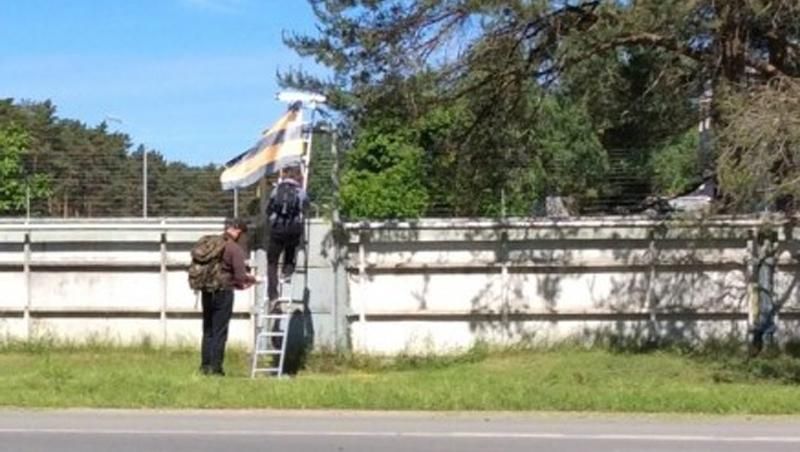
[435, 286]
[125, 280]
[395, 287]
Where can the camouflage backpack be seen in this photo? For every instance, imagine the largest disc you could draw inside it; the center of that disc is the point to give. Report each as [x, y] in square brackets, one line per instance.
[205, 271]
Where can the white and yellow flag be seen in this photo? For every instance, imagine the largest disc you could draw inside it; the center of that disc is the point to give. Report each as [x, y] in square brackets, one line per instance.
[281, 145]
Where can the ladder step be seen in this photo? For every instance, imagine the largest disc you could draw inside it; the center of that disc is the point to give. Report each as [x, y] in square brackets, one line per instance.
[271, 334]
[268, 352]
[267, 369]
[275, 316]
[280, 300]
[297, 270]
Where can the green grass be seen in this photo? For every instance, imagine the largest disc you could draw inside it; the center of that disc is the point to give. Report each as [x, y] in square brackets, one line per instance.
[566, 378]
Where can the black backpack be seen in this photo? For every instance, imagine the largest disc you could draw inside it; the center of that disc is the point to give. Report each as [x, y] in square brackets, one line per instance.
[286, 203]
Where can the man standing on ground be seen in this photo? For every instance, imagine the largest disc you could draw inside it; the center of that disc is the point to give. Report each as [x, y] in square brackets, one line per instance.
[286, 212]
[218, 304]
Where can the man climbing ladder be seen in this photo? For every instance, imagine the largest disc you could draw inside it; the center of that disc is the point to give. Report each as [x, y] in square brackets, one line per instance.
[285, 146]
[286, 212]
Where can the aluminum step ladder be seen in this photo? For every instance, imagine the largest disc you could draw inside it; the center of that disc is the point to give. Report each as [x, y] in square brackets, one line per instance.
[279, 313]
[272, 331]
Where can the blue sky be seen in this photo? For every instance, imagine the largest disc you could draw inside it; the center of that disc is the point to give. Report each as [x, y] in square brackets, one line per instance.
[193, 79]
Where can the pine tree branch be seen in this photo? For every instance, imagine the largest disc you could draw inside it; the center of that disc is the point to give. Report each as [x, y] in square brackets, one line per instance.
[652, 40]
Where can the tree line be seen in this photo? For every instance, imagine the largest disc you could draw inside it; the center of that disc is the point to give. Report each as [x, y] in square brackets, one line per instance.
[66, 168]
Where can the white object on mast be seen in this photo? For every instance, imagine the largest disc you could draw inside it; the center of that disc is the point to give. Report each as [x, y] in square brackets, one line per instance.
[312, 100]
[291, 97]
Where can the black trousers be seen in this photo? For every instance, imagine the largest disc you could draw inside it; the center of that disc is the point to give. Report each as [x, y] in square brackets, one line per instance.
[217, 312]
[281, 242]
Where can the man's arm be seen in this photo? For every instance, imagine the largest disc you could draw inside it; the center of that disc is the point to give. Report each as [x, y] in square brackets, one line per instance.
[234, 255]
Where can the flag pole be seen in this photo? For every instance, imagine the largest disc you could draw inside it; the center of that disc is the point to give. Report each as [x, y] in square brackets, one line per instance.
[309, 142]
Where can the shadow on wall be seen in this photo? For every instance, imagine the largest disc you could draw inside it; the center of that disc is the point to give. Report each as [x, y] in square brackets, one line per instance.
[655, 283]
[300, 339]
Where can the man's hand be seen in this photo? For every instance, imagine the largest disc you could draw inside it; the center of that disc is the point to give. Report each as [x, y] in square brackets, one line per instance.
[248, 283]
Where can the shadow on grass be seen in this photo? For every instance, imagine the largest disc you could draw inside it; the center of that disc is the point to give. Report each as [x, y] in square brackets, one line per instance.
[728, 358]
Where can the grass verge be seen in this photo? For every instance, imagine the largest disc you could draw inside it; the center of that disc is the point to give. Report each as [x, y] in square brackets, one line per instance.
[566, 378]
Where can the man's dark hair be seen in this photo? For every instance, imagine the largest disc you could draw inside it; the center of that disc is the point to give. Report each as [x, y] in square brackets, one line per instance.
[237, 223]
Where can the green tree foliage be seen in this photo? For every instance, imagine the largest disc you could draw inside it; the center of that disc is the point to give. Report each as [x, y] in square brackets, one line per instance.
[637, 68]
[570, 160]
[17, 185]
[383, 180]
[675, 165]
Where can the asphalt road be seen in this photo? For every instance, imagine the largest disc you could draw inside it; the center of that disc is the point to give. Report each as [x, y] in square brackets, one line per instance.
[298, 431]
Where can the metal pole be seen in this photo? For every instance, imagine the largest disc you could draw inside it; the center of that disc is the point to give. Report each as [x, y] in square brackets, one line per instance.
[309, 143]
[235, 202]
[337, 251]
[144, 183]
[503, 203]
[27, 200]
[335, 178]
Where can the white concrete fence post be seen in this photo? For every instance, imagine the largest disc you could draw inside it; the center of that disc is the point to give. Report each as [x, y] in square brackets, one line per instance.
[163, 283]
[28, 282]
